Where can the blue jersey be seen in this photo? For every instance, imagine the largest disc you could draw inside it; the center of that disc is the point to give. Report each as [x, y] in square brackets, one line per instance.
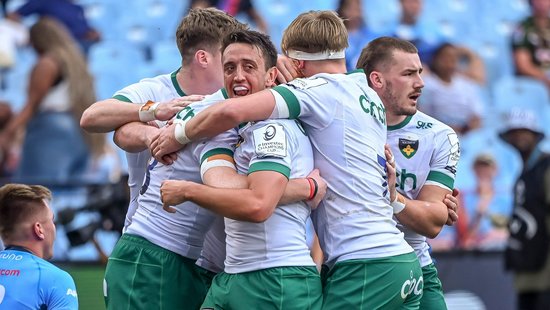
[29, 282]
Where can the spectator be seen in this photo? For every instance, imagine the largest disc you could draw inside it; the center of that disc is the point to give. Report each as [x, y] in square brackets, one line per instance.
[351, 11]
[65, 11]
[7, 155]
[450, 96]
[60, 89]
[531, 43]
[424, 35]
[527, 253]
[27, 227]
[488, 207]
[234, 8]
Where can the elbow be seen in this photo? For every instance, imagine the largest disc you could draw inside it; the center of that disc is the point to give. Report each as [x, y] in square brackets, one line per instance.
[258, 212]
[433, 231]
[86, 121]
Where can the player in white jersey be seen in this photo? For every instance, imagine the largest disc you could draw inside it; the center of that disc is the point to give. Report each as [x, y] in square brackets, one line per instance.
[269, 251]
[426, 153]
[160, 98]
[198, 37]
[346, 123]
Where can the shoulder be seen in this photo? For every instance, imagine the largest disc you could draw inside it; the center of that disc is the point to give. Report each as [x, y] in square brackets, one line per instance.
[424, 121]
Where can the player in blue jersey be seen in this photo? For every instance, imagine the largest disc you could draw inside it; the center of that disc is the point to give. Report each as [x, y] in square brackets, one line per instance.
[27, 280]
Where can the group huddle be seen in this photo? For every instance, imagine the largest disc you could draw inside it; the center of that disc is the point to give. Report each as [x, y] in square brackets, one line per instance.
[224, 184]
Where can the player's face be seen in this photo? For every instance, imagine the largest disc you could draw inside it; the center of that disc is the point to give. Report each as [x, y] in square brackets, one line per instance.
[403, 84]
[244, 70]
[49, 232]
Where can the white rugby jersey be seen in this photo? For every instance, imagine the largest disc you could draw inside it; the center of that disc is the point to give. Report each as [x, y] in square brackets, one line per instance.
[160, 88]
[346, 122]
[213, 250]
[181, 232]
[426, 153]
[281, 146]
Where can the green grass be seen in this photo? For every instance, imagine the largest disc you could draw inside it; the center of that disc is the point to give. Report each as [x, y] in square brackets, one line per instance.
[89, 285]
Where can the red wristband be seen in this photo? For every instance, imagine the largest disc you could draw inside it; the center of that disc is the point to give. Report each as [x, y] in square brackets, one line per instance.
[313, 187]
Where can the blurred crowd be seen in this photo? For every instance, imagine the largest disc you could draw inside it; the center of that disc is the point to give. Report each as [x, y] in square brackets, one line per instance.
[57, 57]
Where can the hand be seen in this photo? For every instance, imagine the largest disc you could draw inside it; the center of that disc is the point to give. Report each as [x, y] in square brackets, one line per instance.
[172, 193]
[451, 201]
[391, 172]
[321, 189]
[287, 71]
[166, 110]
[164, 146]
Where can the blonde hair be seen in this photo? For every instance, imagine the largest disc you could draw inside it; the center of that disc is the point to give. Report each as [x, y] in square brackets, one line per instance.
[18, 203]
[204, 29]
[49, 37]
[314, 32]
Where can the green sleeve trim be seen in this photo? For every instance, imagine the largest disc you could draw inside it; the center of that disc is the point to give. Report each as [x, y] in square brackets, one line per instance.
[441, 178]
[122, 98]
[217, 151]
[270, 166]
[291, 101]
[355, 71]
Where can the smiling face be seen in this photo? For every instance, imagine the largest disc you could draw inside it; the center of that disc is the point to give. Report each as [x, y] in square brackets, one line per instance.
[244, 70]
[402, 84]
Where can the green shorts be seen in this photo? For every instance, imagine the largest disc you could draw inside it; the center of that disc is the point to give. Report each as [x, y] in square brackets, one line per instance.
[142, 275]
[285, 288]
[432, 298]
[382, 283]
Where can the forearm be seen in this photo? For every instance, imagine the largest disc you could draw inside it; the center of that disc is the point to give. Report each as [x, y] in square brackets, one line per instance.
[238, 204]
[108, 115]
[229, 114]
[423, 217]
[134, 137]
[296, 190]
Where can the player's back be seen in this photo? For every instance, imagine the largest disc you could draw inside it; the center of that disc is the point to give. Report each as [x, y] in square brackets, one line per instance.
[29, 282]
[346, 123]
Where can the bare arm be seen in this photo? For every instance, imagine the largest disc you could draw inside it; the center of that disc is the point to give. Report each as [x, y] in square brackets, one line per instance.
[427, 214]
[525, 66]
[43, 76]
[135, 136]
[109, 114]
[296, 189]
[215, 120]
[256, 203]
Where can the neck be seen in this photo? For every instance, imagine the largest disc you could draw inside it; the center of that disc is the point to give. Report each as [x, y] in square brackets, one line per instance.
[194, 82]
[29, 246]
[393, 120]
[408, 20]
[325, 66]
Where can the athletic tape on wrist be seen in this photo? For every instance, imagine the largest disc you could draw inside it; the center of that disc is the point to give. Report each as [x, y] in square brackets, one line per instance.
[147, 112]
[398, 204]
[179, 131]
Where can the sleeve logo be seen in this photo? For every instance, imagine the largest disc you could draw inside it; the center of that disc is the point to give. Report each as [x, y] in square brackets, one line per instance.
[270, 141]
[454, 153]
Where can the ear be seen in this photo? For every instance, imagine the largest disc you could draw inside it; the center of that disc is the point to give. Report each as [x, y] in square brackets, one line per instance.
[201, 57]
[38, 230]
[271, 77]
[376, 79]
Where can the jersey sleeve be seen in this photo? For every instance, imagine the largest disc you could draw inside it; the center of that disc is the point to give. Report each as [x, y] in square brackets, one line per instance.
[221, 147]
[139, 92]
[444, 161]
[519, 37]
[272, 149]
[63, 295]
[310, 100]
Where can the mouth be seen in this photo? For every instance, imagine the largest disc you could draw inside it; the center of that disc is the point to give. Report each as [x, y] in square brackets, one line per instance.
[414, 97]
[240, 90]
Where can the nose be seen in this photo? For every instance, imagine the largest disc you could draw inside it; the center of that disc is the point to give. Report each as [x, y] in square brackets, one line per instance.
[239, 74]
[419, 82]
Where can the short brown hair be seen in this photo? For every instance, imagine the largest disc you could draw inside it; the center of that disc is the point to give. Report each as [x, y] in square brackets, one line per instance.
[315, 31]
[256, 39]
[379, 53]
[18, 202]
[204, 29]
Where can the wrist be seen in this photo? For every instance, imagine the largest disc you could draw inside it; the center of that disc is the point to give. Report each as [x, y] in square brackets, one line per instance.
[147, 112]
[179, 131]
[313, 188]
[398, 204]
